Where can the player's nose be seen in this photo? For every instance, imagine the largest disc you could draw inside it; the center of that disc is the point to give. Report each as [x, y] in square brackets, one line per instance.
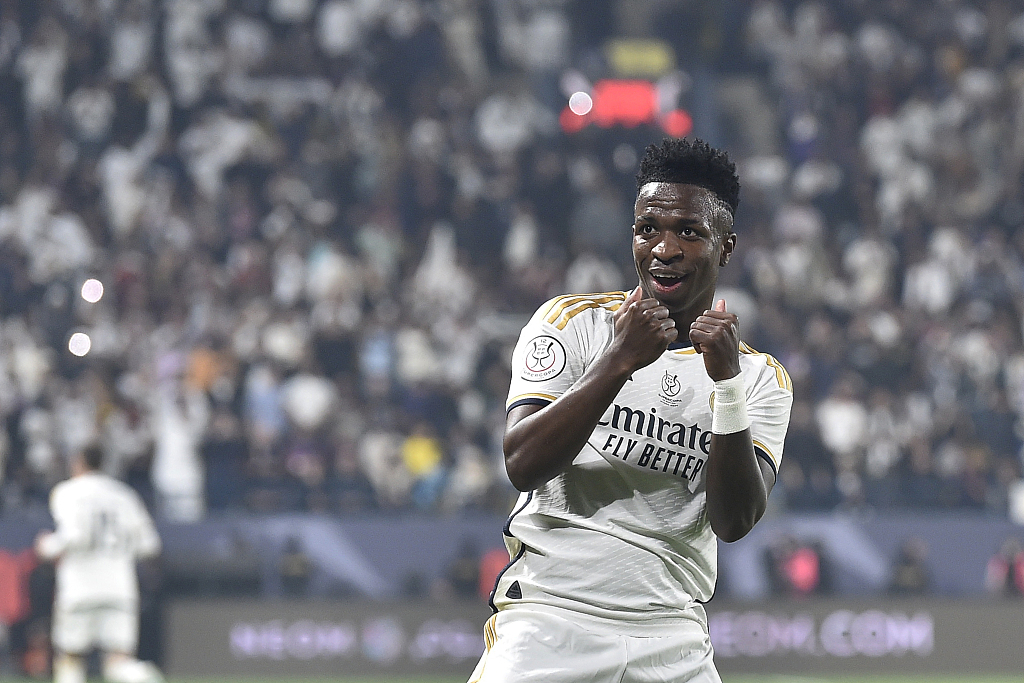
[667, 249]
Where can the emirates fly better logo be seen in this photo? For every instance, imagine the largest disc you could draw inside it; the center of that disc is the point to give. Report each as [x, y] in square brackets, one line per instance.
[545, 358]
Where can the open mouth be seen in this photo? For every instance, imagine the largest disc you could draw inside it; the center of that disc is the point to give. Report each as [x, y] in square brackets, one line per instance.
[667, 283]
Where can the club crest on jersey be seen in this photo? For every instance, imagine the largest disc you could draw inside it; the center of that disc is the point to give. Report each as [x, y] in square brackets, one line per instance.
[670, 387]
[545, 358]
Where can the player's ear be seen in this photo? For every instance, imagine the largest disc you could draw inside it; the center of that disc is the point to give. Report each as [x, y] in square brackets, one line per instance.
[728, 245]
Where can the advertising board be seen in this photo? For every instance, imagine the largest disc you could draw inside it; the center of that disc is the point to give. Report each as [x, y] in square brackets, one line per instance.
[868, 637]
[299, 639]
[254, 639]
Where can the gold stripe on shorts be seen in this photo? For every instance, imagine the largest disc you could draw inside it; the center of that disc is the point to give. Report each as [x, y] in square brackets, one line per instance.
[489, 637]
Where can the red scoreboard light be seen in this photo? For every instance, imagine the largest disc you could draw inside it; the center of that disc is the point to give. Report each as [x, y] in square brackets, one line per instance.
[624, 103]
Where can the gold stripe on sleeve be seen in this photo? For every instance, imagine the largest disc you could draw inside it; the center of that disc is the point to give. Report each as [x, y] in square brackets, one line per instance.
[766, 450]
[560, 314]
[546, 397]
[554, 303]
[783, 378]
[560, 304]
[611, 303]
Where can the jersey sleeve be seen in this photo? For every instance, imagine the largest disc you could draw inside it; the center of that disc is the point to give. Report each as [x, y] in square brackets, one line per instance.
[547, 360]
[72, 527]
[769, 401]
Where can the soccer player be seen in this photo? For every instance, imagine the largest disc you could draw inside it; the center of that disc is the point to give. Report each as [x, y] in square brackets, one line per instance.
[102, 529]
[639, 429]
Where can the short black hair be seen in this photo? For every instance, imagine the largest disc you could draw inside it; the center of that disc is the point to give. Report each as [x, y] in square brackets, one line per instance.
[92, 457]
[693, 162]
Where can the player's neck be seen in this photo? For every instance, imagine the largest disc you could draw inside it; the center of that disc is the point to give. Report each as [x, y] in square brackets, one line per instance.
[685, 317]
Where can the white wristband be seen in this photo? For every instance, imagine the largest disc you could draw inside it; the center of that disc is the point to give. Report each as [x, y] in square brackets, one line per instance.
[729, 414]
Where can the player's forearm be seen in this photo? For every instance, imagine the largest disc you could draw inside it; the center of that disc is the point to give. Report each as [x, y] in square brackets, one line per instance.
[736, 491]
[541, 445]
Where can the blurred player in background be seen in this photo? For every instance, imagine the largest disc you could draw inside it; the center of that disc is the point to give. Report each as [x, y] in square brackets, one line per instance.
[102, 530]
[639, 428]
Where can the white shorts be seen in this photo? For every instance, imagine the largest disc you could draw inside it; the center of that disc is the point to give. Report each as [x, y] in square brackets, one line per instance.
[525, 646]
[111, 628]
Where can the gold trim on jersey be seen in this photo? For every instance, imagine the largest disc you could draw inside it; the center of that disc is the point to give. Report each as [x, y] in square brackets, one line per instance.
[781, 375]
[520, 397]
[771, 455]
[758, 444]
[564, 308]
[559, 303]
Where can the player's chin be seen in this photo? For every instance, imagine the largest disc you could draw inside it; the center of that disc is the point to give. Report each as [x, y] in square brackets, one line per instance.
[664, 289]
[670, 300]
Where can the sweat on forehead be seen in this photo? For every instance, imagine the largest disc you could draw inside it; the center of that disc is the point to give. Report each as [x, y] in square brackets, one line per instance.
[656, 193]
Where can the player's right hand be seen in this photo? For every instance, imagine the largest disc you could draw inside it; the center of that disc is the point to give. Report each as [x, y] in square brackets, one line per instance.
[643, 330]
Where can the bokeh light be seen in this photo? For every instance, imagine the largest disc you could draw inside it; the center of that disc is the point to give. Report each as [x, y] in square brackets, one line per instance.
[79, 344]
[580, 103]
[92, 290]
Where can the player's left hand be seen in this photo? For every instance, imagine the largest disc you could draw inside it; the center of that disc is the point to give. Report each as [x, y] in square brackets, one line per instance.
[715, 334]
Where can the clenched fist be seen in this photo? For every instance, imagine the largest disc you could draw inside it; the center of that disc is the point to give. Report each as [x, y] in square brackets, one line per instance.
[643, 330]
[715, 334]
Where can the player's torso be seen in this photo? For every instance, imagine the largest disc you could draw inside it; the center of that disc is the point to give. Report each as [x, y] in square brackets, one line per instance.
[641, 472]
[622, 535]
[659, 424]
[103, 565]
[103, 506]
[622, 531]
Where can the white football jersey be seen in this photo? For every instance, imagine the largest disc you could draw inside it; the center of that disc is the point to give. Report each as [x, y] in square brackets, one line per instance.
[621, 538]
[102, 529]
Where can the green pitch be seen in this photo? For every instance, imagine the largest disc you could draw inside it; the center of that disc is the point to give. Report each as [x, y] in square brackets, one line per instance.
[733, 679]
[728, 679]
[950, 678]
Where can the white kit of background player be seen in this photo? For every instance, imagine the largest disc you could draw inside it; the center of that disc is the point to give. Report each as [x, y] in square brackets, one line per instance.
[102, 529]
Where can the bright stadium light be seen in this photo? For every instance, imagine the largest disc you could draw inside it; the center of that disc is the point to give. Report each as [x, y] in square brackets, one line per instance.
[92, 290]
[79, 344]
[580, 103]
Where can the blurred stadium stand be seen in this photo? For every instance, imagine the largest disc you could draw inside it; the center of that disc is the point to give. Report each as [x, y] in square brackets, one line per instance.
[319, 225]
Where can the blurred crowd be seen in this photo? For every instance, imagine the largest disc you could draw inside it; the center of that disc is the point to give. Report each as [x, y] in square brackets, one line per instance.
[320, 224]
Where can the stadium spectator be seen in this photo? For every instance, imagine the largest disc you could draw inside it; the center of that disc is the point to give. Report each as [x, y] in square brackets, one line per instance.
[1004, 574]
[463, 571]
[375, 198]
[796, 569]
[910, 573]
[294, 568]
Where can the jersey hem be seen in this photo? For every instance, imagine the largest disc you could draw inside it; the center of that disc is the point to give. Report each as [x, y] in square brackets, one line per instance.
[644, 626]
[531, 401]
[759, 452]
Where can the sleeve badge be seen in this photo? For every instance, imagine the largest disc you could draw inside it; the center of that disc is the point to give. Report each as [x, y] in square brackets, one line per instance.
[544, 359]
